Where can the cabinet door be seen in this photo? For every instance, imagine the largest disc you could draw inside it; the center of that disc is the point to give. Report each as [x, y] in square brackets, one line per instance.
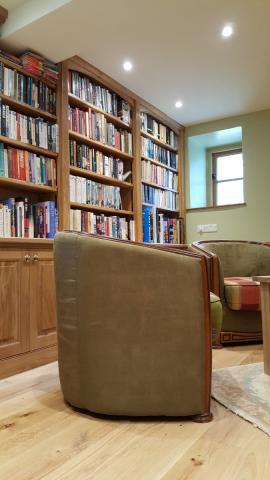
[42, 300]
[14, 305]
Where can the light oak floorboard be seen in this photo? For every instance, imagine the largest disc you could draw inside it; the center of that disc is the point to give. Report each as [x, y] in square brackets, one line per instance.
[42, 438]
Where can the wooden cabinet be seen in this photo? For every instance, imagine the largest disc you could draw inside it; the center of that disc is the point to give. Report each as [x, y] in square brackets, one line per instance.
[27, 305]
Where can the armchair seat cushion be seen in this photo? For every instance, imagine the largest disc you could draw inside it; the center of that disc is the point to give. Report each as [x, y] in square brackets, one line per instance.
[242, 293]
[216, 317]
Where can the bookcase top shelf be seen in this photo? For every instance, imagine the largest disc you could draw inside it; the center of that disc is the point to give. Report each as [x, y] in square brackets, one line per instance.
[156, 162]
[151, 184]
[78, 102]
[20, 69]
[22, 184]
[27, 109]
[158, 142]
[97, 176]
[27, 146]
[100, 146]
[94, 208]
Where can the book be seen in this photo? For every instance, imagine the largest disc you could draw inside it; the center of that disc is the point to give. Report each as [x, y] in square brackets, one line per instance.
[110, 226]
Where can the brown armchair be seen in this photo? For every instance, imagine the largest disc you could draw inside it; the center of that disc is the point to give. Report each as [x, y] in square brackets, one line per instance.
[133, 328]
[232, 264]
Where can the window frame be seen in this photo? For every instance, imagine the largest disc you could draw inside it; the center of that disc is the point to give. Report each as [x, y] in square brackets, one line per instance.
[215, 182]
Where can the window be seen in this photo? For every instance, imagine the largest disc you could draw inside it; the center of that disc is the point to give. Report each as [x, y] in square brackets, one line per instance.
[227, 176]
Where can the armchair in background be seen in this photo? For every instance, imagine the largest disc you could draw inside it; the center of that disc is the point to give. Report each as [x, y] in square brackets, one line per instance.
[133, 328]
[232, 264]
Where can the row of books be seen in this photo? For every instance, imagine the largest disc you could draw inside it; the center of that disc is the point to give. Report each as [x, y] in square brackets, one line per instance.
[159, 228]
[101, 97]
[155, 152]
[159, 175]
[83, 156]
[158, 130]
[30, 130]
[27, 89]
[27, 166]
[86, 191]
[95, 126]
[160, 198]
[19, 218]
[110, 226]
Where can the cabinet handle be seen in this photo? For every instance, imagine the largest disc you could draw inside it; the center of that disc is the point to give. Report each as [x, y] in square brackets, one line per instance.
[27, 258]
[35, 258]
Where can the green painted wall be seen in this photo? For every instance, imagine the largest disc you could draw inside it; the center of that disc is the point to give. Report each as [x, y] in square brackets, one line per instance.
[250, 221]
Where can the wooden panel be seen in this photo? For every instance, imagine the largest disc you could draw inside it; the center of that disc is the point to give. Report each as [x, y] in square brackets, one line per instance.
[42, 300]
[26, 361]
[14, 284]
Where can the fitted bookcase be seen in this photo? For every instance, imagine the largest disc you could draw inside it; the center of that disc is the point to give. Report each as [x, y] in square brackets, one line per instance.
[27, 294]
[73, 108]
[98, 188]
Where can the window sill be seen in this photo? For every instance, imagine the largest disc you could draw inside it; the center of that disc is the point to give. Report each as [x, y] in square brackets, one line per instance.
[219, 207]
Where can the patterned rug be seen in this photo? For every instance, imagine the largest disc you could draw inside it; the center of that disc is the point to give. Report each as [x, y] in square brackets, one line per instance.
[245, 390]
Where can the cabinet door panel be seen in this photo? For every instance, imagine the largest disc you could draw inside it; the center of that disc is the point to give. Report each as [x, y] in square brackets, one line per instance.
[42, 300]
[14, 313]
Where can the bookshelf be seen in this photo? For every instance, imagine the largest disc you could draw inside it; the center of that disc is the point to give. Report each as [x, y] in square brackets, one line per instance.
[28, 166]
[161, 176]
[96, 152]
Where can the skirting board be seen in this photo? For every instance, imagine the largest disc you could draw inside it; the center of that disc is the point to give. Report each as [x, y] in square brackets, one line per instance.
[26, 361]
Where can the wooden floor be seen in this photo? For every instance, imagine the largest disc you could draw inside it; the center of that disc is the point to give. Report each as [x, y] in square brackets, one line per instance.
[42, 438]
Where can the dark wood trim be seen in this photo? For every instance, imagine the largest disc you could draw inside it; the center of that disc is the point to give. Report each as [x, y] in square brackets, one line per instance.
[27, 361]
[238, 337]
[3, 15]
[207, 338]
[203, 418]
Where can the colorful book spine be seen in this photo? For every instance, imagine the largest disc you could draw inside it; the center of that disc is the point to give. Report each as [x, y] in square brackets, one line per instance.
[109, 226]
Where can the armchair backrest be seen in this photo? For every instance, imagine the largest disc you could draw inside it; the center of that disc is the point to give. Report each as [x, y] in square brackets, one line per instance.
[133, 327]
[238, 258]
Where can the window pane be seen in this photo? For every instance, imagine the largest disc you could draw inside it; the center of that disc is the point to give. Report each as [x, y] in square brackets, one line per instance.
[230, 192]
[230, 166]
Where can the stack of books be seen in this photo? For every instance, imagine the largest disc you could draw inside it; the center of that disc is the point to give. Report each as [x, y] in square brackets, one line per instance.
[158, 130]
[110, 226]
[160, 176]
[155, 152]
[86, 191]
[39, 66]
[160, 198]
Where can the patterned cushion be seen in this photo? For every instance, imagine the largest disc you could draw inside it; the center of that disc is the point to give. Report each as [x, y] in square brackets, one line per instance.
[242, 293]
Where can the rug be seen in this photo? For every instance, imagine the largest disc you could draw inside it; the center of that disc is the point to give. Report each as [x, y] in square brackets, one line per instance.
[245, 390]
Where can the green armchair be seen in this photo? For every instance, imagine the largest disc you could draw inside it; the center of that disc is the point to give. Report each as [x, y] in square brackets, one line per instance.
[232, 264]
[133, 326]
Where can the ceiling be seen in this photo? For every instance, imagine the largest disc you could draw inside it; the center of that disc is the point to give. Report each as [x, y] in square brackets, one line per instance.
[11, 4]
[175, 46]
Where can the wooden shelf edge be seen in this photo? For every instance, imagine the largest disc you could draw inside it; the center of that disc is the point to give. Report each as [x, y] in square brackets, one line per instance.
[99, 145]
[159, 164]
[159, 186]
[27, 146]
[158, 142]
[14, 182]
[95, 208]
[38, 112]
[78, 102]
[102, 178]
[169, 210]
[25, 241]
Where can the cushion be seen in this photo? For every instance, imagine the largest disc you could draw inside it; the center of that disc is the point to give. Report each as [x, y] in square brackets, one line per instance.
[216, 317]
[242, 293]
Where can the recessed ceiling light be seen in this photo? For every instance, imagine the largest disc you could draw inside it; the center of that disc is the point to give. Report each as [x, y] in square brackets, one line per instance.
[227, 31]
[178, 104]
[127, 66]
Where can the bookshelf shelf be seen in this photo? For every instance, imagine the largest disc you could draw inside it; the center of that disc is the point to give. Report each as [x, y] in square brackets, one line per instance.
[78, 102]
[162, 209]
[19, 242]
[159, 164]
[100, 178]
[27, 109]
[27, 146]
[21, 184]
[100, 146]
[158, 142]
[151, 184]
[20, 69]
[94, 208]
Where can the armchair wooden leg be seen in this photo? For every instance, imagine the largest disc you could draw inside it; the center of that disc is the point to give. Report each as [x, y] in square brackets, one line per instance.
[202, 418]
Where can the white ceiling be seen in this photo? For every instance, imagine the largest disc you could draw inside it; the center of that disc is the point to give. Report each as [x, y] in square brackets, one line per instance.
[175, 45]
